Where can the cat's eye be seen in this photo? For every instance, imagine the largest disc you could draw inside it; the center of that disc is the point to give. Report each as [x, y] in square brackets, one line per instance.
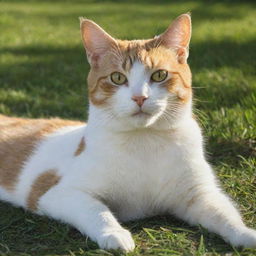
[159, 75]
[118, 78]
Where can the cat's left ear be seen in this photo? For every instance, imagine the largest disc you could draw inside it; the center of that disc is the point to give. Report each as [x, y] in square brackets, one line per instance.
[96, 41]
[177, 37]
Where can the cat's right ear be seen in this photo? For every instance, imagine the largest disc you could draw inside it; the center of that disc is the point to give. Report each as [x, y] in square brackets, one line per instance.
[96, 41]
[177, 37]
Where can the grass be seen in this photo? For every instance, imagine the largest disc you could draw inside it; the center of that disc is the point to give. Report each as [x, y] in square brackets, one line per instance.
[42, 74]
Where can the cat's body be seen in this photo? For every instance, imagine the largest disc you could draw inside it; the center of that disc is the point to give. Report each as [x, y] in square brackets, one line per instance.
[126, 166]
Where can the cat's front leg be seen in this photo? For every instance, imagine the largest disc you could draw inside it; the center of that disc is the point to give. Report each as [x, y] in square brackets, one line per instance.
[89, 215]
[202, 202]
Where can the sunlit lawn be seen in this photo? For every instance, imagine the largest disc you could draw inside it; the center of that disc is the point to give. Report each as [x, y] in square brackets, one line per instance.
[43, 73]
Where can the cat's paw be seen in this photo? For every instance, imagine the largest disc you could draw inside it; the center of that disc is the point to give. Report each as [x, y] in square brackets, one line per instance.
[246, 237]
[117, 239]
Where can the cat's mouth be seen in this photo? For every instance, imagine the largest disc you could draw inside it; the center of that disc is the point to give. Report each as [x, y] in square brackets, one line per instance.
[140, 113]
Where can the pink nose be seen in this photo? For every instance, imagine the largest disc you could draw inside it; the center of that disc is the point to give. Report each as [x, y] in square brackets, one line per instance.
[139, 100]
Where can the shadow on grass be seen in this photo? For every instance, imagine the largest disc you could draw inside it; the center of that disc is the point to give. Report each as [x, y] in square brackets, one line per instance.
[201, 11]
[227, 151]
[52, 80]
[138, 1]
[38, 235]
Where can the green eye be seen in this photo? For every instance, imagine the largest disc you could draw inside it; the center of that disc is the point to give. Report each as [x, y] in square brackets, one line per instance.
[118, 78]
[159, 75]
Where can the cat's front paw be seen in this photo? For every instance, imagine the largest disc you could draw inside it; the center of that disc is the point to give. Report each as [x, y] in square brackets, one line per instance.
[246, 237]
[117, 239]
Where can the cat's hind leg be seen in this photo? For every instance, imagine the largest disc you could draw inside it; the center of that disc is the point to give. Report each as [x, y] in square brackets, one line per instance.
[89, 215]
[205, 204]
[214, 211]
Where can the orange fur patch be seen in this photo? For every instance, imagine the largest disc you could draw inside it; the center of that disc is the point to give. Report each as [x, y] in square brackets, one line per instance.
[41, 185]
[101, 92]
[18, 139]
[80, 148]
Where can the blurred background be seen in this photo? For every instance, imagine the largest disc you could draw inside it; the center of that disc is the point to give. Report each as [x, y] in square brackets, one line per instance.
[43, 71]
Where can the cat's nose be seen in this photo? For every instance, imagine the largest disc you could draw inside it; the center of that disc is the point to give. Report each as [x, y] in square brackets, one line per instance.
[139, 100]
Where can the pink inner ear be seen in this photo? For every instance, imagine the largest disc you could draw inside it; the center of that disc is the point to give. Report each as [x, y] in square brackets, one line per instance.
[95, 57]
[177, 36]
[94, 60]
[96, 41]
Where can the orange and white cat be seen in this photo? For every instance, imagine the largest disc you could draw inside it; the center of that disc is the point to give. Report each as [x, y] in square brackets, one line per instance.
[141, 153]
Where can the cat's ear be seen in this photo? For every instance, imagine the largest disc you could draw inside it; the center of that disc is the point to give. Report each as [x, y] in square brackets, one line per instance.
[177, 37]
[96, 41]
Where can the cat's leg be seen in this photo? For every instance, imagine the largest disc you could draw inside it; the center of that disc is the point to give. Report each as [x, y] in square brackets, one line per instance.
[202, 202]
[89, 215]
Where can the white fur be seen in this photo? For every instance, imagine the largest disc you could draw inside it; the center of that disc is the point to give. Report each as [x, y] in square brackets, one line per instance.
[133, 167]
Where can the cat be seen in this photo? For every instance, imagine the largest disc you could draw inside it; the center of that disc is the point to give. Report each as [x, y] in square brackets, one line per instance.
[140, 154]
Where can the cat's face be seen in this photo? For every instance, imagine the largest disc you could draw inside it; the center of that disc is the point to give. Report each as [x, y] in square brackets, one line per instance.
[139, 83]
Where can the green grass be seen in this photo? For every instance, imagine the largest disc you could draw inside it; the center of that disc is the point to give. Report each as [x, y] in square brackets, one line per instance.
[42, 74]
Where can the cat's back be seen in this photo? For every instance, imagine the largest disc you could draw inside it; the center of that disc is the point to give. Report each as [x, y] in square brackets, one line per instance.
[20, 138]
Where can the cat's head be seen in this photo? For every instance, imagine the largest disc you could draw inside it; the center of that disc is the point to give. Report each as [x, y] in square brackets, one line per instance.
[139, 83]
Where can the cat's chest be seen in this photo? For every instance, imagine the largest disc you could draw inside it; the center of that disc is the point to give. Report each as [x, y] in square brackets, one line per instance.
[136, 179]
[138, 162]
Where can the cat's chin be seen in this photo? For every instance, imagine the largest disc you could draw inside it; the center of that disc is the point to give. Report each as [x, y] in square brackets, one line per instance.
[141, 120]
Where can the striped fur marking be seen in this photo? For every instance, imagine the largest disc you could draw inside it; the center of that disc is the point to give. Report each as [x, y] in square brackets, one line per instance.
[80, 148]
